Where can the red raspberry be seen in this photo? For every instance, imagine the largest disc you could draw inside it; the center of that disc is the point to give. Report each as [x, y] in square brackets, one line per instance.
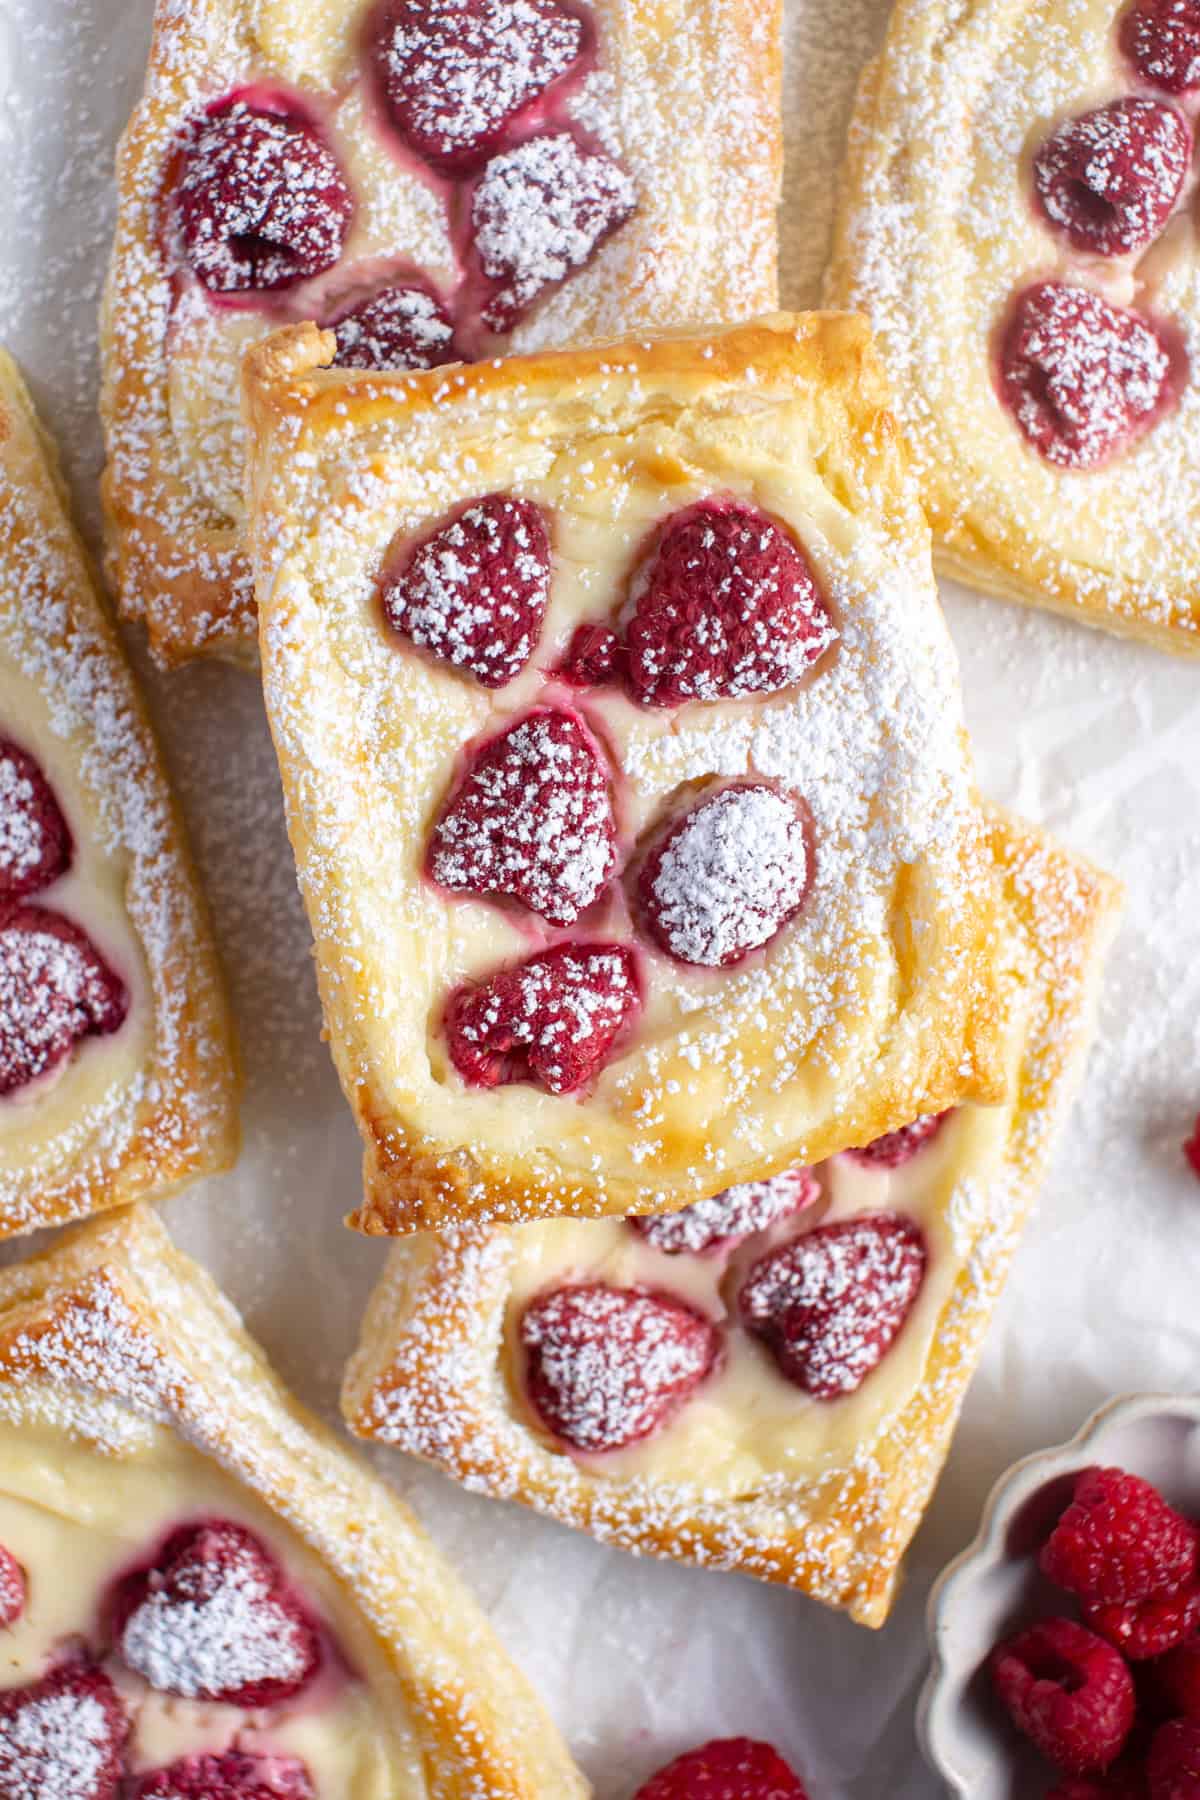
[212, 1618]
[727, 877]
[456, 75]
[594, 657]
[606, 1366]
[726, 606]
[1068, 1691]
[261, 202]
[62, 1735]
[1126, 1782]
[402, 327]
[1110, 178]
[1191, 1148]
[474, 593]
[1173, 1766]
[736, 1213]
[55, 990]
[1118, 1542]
[12, 1588]
[1161, 38]
[895, 1148]
[725, 1769]
[1082, 379]
[539, 212]
[532, 818]
[1177, 1678]
[1147, 1627]
[830, 1304]
[230, 1776]
[552, 1020]
[35, 842]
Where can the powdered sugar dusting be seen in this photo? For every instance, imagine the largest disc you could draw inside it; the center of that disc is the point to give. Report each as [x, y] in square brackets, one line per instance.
[231, 1635]
[22, 833]
[55, 1749]
[750, 1207]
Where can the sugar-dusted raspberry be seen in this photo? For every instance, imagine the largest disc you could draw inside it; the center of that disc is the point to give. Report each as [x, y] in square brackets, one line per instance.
[1127, 1781]
[260, 202]
[895, 1148]
[1147, 1628]
[62, 1736]
[1118, 1542]
[1177, 1678]
[230, 1776]
[474, 593]
[456, 75]
[725, 606]
[55, 990]
[539, 212]
[1109, 178]
[401, 327]
[727, 877]
[725, 1769]
[12, 1588]
[1161, 38]
[1068, 1691]
[595, 657]
[1173, 1765]
[552, 1020]
[35, 842]
[607, 1366]
[212, 1618]
[1191, 1148]
[1083, 379]
[739, 1211]
[531, 818]
[830, 1304]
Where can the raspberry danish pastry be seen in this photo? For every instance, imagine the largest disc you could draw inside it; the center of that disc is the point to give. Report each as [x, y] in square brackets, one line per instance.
[621, 742]
[432, 180]
[1017, 221]
[117, 1071]
[767, 1380]
[203, 1597]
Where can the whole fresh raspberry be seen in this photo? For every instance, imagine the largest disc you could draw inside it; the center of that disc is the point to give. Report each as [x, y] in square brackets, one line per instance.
[751, 1206]
[397, 328]
[261, 202]
[531, 818]
[1177, 1679]
[455, 76]
[539, 213]
[35, 842]
[726, 606]
[1173, 1766]
[1068, 1691]
[830, 1304]
[1148, 1628]
[212, 1618]
[474, 593]
[1161, 38]
[55, 990]
[552, 1020]
[12, 1588]
[230, 1776]
[63, 1735]
[1110, 178]
[1126, 1782]
[607, 1366]
[895, 1148]
[725, 1769]
[1083, 379]
[1118, 1542]
[594, 657]
[727, 876]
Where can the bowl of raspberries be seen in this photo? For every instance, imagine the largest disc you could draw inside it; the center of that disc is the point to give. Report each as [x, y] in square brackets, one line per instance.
[1066, 1638]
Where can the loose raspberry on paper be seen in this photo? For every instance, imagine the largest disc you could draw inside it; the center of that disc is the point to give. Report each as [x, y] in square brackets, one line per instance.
[725, 1769]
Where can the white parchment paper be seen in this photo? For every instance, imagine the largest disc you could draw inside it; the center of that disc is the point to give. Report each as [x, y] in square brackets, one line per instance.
[1099, 740]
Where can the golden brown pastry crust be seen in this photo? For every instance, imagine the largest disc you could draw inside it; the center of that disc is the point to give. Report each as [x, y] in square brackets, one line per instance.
[794, 408]
[945, 124]
[430, 1374]
[702, 139]
[121, 1323]
[176, 1118]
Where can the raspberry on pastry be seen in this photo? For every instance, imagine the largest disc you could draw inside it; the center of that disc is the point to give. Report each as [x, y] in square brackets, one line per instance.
[1109, 179]
[63, 1734]
[231, 1776]
[1068, 1691]
[398, 327]
[553, 1020]
[55, 990]
[1119, 1542]
[595, 657]
[725, 1769]
[895, 1148]
[728, 1217]
[35, 840]
[1161, 38]
[12, 1589]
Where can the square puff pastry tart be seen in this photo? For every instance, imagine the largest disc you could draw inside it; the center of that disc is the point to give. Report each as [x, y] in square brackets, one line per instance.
[436, 179]
[118, 1076]
[621, 744]
[768, 1381]
[1017, 227]
[248, 1610]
